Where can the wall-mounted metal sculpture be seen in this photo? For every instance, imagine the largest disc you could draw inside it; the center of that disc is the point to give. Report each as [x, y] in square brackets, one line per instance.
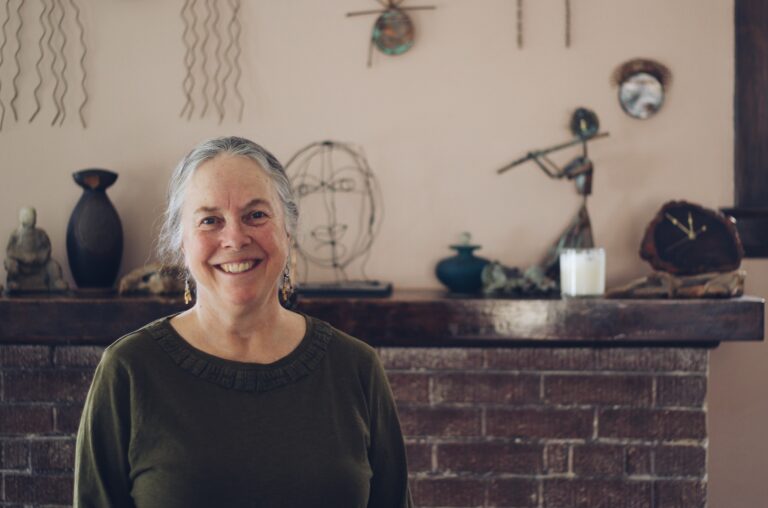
[341, 214]
[54, 20]
[519, 23]
[211, 37]
[393, 32]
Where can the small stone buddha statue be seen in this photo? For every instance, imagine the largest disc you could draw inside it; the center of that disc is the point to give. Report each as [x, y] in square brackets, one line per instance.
[28, 258]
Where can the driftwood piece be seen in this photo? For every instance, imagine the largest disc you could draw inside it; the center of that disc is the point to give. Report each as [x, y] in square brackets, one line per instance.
[509, 282]
[153, 279]
[665, 285]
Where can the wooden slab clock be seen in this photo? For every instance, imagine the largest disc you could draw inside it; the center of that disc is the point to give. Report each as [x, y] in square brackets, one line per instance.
[688, 239]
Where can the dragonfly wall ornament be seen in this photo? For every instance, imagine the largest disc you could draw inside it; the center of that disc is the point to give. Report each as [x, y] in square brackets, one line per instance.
[393, 31]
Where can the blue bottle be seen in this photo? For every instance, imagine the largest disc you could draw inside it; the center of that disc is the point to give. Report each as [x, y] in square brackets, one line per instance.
[462, 273]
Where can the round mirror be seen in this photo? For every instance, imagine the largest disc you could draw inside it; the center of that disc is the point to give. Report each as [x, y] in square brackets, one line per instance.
[641, 95]
[642, 84]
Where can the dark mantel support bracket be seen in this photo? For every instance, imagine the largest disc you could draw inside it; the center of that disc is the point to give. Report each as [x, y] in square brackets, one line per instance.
[422, 319]
[751, 126]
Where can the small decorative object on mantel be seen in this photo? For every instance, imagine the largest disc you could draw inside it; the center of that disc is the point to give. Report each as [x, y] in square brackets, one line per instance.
[696, 252]
[582, 272]
[153, 279]
[536, 281]
[212, 57]
[666, 285]
[341, 204]
[94, 233]
[462, 273]
[28, 262]
[511, 282]
[52, 41]
[585, 127]
[642, 84]
[687, 239]
[393, 31]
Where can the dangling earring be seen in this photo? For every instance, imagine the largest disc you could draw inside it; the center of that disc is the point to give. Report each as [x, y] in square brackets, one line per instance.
[287, 286]
[187, 292]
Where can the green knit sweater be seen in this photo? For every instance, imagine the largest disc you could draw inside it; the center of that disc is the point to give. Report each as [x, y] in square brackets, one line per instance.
[166, 425]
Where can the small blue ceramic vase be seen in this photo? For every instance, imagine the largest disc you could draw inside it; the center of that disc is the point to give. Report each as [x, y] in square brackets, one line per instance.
[462, 273]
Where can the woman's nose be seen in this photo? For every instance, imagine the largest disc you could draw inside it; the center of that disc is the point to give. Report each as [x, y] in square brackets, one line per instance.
[235, 236]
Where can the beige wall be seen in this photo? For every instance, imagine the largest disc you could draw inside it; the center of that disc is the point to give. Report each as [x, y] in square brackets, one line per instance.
[738, 414]
[435, 124]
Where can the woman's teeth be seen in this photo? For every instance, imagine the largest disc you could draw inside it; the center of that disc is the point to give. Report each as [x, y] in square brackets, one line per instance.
[237, 267]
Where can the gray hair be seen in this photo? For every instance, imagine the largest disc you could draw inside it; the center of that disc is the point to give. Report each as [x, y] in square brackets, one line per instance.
[169, 239]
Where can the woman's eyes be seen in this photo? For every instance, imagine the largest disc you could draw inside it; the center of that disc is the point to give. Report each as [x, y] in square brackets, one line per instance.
[257, 215]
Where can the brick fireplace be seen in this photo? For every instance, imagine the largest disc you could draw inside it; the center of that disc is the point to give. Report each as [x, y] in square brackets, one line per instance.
[571, 427]
[494, 415]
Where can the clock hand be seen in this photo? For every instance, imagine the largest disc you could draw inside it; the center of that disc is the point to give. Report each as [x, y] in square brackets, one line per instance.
[677, 223]
[691, 234]
[696, 233]
[678, 243]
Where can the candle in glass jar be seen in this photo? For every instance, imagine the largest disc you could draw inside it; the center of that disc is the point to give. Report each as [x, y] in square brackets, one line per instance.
[582, 272]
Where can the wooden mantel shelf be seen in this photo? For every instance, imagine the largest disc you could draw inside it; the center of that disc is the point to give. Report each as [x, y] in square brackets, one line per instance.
[420, 318]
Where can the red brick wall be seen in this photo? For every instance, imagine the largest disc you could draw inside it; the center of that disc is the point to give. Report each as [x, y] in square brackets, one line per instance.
[557, 427]
[525, 427]
[42, 390]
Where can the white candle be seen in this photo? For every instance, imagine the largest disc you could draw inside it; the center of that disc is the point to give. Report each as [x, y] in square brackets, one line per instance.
[582, 272]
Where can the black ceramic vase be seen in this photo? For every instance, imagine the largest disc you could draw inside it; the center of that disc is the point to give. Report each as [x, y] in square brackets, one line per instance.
[94, 233]
[462, 273]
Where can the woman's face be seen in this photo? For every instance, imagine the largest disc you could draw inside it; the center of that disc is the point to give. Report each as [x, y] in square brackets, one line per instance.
[233, 232]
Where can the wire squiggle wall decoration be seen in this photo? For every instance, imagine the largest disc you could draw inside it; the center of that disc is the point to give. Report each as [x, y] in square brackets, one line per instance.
[52, 68]
[212, 45]
[2, 58]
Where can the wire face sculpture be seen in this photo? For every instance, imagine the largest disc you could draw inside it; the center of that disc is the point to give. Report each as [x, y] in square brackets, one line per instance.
[212, 44]
[393, 32]
[340, 203]
[55, 19]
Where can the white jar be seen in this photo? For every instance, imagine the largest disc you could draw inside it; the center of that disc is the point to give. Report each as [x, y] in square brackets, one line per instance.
[582, 272]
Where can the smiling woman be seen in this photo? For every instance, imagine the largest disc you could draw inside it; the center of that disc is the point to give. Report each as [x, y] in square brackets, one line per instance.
[238, 401]
[234, 238]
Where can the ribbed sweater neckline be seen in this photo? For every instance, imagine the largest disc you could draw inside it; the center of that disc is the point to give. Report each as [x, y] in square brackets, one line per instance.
[244, 376]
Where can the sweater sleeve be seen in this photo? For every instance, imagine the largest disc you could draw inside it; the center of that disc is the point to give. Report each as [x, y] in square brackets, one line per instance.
[101, 452]
[389, 484]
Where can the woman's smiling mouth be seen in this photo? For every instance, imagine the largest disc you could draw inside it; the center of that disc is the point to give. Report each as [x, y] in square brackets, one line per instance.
[238, 267]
